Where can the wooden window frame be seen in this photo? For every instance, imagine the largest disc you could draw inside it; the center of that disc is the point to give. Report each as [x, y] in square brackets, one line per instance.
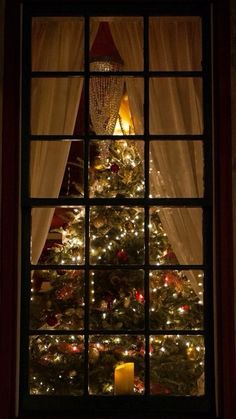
[223, 212]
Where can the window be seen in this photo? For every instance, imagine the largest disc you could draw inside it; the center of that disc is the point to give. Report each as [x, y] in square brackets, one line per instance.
[116, 266]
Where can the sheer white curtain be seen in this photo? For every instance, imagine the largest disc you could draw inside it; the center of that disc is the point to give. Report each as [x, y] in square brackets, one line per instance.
[56, 46]
[175, 108]
[183, 115]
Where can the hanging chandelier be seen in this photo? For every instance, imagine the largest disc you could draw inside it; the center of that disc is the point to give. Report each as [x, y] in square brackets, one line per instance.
[105, 95]
[105, 91]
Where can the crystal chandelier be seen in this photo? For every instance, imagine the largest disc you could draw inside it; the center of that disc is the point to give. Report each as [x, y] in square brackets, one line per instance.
[105, 91]
[105, 95]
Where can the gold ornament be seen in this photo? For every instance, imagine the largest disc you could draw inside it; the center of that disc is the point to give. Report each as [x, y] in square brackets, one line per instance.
[72, 373]
[49, 304]
[99, 221]
[191, 351]
[127, 178]
[93, 355]
[127, 302]
[46, 286]
[103, 305]
[98, 164]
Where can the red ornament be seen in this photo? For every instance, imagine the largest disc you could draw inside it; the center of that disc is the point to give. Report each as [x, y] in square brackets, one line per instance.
[185, 307]
[65, 293]
[122, 256]
[51, 320]
[142, 350]
[109, 297]
[114, 168]
[62, 347]
[170, 279]
[138, 384]
[170, 256]
[65, 347]
[139, 297]
[74, 348]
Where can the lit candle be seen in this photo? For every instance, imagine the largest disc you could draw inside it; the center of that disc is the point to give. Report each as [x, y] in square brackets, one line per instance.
[124, 379]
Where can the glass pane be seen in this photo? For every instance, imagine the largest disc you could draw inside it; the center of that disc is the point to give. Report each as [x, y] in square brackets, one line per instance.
[116, 365]
[53, 46]
[108, 48]
[175, 236]
[116, 235]
[175, 105]
[176, 300]
[56, 365]
[57, 236]
[177, 365]
[175, 43]
[56, 169]
[120, 173]
[57, 299]
[117, 299]
[176, 169]
[116, 105]
[55, 104]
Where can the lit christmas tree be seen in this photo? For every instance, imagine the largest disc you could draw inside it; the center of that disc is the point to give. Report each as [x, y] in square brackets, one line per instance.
[117, 296]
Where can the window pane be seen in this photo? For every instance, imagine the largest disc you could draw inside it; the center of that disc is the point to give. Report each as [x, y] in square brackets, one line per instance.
[175, 105]
[175, 43]
[57, 299]
[55, 104]
[176, 299]
[176, 169]
[111, 38]
[177, 365]
[175, 236]
[108, 113]
[56, 365]
[56, 169]
[57, 236]
[98, 325]
[53, 46]
[106, 353]
[116, 235]
[117, 299]
[120, 173]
